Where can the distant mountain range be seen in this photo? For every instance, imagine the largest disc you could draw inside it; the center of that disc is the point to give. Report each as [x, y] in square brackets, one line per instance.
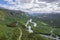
[50, 18]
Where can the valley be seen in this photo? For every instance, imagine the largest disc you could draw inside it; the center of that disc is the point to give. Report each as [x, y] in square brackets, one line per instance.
[18, 25]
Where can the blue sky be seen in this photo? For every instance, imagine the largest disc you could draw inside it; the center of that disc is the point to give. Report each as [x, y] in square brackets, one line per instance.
[32, 5]
[3, 2]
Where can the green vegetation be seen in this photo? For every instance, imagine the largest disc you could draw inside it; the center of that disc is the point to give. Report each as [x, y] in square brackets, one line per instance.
[11, 21]
[9, 24]
[44, 27]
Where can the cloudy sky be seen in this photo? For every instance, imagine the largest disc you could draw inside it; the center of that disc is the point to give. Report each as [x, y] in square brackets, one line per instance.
[42, 6]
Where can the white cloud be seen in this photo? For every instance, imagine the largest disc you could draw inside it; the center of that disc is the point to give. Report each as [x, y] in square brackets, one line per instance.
[10, 1]
[35, 6]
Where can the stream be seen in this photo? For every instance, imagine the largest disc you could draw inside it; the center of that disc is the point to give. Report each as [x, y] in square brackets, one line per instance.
[29, 27]
[47, 36]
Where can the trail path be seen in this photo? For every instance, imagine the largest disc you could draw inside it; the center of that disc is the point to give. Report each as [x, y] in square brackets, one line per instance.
[20, 34]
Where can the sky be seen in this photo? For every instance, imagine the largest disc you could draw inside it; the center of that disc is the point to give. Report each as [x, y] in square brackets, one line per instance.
[43, 6]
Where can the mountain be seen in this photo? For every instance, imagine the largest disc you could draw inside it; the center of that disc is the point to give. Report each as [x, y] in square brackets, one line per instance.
[51, 18]
[12, 26]
[46, 23]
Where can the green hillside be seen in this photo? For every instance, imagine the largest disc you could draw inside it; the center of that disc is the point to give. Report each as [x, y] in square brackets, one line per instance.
[12, 26]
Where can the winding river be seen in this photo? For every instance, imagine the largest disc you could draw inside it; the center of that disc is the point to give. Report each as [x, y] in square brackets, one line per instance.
[35, 24]
[29, 27]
